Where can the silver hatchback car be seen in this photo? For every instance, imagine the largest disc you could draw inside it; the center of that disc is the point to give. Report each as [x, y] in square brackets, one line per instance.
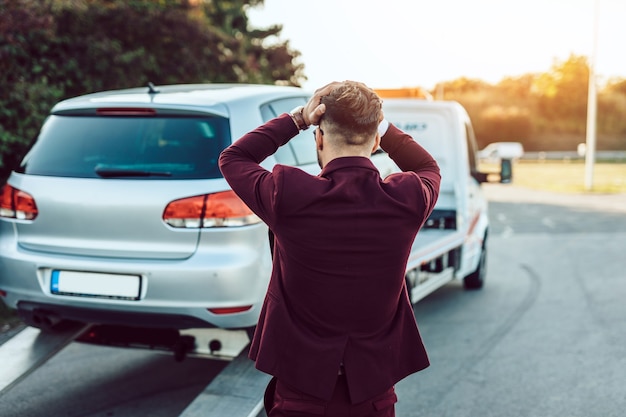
[119, 213]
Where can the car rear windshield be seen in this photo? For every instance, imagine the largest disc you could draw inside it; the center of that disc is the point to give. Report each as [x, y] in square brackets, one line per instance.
[152, 147]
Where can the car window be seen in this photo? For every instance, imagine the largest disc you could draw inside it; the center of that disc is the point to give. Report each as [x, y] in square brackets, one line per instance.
[123, 147]
[300, 150]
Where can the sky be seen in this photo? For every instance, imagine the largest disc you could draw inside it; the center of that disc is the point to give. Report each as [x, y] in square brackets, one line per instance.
[418, 43]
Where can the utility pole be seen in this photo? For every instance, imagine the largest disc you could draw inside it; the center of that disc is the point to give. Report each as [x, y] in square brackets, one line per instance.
[592, 106]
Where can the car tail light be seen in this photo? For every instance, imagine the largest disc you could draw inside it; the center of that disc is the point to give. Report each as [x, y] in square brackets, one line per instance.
[3, 293]
[222, 209]
[229, 310]
[16, 204]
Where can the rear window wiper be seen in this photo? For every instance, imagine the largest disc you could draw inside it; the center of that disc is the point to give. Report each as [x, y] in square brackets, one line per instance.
[127, 172]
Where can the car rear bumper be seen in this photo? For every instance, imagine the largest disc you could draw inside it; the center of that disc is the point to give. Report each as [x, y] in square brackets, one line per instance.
[174, 293]
[47, 315]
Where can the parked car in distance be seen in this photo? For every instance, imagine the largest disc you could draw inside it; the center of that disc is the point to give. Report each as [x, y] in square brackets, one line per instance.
[503, 153]
[497, 151]
[119, 214]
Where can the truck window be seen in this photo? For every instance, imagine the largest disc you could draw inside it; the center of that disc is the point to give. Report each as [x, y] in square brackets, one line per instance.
[472, 149]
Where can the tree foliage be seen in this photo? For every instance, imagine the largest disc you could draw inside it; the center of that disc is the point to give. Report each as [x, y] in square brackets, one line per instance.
[546, 111]
[54, 49]
[561, 94]
[617, 86]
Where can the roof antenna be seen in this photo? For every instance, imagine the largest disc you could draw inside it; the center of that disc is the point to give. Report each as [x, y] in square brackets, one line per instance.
[152, 89]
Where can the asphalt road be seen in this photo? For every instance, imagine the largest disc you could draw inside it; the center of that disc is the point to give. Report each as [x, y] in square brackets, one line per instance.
[545, 337]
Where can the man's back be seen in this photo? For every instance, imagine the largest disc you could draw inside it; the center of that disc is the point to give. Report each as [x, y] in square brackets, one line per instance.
[337, 329]
[342, 240]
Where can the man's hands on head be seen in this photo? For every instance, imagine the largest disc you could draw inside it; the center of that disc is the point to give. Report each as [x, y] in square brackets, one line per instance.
[314, 110]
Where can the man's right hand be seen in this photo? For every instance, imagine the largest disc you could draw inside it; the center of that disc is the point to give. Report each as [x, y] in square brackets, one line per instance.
[314, 110]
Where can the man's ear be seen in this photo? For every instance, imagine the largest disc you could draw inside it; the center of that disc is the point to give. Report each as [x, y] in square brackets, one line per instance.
[319, 140]
[376, 143]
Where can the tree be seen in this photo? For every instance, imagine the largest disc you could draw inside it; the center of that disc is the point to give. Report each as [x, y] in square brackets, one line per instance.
[55, 49]
[562, 94]
[169, 42]
[516, 89]
[27, 92]
[617, 86]
[611, 110]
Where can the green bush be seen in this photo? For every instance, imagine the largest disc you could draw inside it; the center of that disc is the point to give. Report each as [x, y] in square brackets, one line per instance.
[55, 49]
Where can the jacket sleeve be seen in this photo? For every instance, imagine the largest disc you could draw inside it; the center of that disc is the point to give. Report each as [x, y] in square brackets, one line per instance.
[240, 164]
[411, 156]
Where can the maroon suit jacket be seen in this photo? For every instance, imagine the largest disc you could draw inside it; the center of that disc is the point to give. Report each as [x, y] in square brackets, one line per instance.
[342, 239]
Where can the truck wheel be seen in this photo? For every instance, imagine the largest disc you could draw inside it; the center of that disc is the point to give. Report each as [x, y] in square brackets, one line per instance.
[250, 332]
[476, 279]
[410, 280]
[408, 290]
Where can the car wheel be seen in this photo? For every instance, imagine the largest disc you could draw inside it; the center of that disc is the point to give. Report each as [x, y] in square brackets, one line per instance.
[476, 279]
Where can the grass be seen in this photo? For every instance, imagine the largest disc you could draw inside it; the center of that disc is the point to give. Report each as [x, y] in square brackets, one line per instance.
[566, 176]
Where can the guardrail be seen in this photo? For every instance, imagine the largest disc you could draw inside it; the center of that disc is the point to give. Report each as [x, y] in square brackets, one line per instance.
[619, 156]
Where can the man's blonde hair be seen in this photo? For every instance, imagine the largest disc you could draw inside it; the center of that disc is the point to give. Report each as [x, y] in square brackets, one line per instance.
[353, 112]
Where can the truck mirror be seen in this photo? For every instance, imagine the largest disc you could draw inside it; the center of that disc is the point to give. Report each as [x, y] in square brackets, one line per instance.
[506, 171]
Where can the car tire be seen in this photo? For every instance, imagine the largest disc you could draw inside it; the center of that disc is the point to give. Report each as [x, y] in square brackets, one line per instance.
[476, 280]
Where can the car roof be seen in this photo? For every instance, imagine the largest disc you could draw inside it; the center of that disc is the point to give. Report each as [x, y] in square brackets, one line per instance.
[214, 98]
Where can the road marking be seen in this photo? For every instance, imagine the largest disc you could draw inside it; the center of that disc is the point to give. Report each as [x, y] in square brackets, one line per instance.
[29, 349]
[508, 231]
[237, 391]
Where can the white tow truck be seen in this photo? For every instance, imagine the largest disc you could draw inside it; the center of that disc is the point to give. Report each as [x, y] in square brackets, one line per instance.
[453, 242]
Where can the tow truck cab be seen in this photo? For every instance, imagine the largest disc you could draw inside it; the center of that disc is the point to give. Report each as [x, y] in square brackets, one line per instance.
[453, 242]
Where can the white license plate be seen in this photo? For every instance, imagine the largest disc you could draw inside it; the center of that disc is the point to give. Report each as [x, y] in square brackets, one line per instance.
[90, 284]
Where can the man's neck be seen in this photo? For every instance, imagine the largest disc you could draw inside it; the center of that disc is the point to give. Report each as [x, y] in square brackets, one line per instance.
[331, 154]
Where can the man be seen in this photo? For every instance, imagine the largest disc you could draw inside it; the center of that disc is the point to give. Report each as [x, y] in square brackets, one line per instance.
[337, 329]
